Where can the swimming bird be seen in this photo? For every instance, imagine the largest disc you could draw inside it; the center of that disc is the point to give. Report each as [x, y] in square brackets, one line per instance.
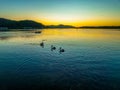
[53, 48]
[42, 44]
[61, 50]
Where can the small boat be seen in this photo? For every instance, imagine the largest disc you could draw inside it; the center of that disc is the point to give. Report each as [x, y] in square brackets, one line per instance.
[37, 32]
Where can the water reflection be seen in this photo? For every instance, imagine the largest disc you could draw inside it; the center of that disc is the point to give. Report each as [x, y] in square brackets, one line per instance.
[62, 34]
[90, 60]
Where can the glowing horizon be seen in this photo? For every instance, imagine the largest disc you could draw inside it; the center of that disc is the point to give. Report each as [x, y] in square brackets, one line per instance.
[68, 12]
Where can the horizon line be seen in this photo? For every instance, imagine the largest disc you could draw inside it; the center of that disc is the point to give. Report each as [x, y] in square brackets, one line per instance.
[80, 26]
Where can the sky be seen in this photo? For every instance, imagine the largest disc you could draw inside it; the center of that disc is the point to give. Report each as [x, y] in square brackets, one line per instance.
[69, 12]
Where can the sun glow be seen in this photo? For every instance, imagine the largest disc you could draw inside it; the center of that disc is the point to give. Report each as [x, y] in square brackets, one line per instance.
[74, 22]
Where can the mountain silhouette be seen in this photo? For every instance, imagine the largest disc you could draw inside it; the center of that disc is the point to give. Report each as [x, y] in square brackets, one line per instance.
[29, 24]
[12, 24]
[60, 26]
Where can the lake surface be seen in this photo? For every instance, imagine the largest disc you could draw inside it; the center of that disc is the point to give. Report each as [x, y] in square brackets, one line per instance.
[91, 60]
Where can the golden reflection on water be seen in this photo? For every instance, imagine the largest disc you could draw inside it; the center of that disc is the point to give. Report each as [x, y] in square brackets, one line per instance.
[64, 34]
[80, 34]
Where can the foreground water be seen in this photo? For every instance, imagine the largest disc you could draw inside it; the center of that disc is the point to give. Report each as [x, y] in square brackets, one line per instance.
[91, 60]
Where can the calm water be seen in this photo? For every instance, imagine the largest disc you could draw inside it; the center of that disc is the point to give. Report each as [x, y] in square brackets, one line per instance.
[91, 60]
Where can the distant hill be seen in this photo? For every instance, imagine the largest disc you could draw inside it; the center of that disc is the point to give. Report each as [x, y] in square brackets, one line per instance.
[24, 24]
[60, 26]
[29, 24]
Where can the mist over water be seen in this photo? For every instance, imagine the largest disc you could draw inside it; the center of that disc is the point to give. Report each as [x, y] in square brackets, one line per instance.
[91, 60]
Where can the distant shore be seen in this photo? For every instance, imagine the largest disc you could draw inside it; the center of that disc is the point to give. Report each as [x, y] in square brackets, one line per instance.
[101, 27]
[6, 24]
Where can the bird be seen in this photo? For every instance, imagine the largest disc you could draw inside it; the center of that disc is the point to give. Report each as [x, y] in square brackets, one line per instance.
[42, 44]
[61, 50]
[53, 48]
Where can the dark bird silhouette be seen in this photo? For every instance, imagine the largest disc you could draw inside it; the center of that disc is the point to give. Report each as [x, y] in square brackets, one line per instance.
[42, 44]
[53, 48]
[61, 50]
